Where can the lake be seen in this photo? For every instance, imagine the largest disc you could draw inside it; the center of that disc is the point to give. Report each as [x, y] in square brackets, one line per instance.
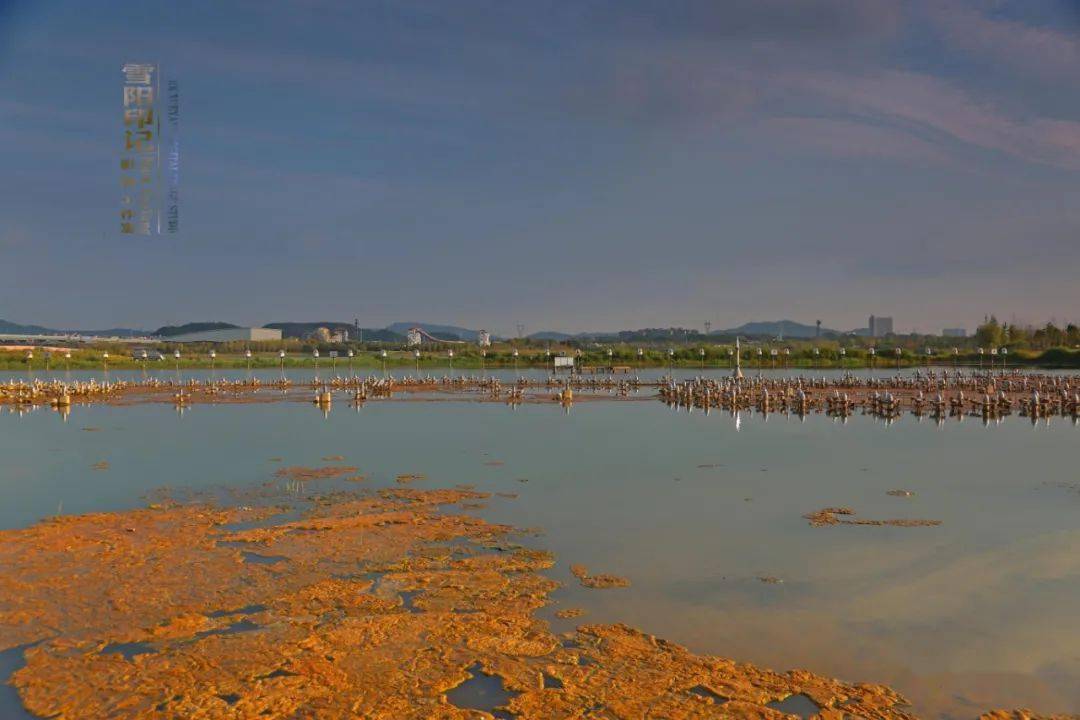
[703, 515]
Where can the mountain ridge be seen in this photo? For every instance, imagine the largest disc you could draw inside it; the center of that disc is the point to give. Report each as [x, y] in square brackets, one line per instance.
[396, 332]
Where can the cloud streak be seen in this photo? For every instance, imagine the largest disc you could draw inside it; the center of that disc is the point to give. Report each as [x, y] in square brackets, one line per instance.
[933, 110]
[1039, 50]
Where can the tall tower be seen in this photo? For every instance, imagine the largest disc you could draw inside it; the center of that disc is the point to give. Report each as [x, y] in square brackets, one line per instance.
[817, 330]
[708, 327]
[737, 372]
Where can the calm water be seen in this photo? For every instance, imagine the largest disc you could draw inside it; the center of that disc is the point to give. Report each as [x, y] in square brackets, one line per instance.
[979, 612]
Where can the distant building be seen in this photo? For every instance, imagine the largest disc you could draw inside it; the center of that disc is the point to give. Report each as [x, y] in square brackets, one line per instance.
[413, 337]
[227, 335]
[483, 338]
[880, 326]
[954, 332]
[326, 335]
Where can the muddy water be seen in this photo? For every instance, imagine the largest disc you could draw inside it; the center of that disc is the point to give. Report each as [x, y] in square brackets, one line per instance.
[703, 519]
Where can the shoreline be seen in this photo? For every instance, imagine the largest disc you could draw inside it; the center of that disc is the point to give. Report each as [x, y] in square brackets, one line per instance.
[948, 395]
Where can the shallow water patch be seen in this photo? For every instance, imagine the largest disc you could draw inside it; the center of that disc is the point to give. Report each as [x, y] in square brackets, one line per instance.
[552, 683]
[481, 692]
[240, 626]
[10, 705]
[246, 610]
[256, 558]
[702, 691]
[799, 704]
[129, 649]
[407, 598]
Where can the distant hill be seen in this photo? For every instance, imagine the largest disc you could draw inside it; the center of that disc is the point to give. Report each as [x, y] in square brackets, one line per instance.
[646, 335]
[17, 329]
[775, 328]
[10, 328]
[192, 327]
[396, 332]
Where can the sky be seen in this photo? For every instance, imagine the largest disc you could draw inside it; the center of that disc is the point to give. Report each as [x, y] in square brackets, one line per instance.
[591, 165]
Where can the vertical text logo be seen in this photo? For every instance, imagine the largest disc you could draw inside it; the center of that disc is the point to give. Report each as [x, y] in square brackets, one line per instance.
[140, 160]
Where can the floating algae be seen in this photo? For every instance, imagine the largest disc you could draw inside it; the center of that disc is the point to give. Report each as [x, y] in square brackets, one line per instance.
[901, 493]
[101, 465]
[830, 516]
[301, 473]
[407, 478]
[377, 617]
[597, 582]
[568, 613]
[334, 458]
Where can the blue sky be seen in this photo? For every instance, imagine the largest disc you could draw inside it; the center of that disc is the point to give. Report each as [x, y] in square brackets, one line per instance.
[586, 165]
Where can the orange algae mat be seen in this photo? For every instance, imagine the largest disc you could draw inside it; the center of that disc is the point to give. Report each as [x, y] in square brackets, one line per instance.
[372, 605]
[831, 516]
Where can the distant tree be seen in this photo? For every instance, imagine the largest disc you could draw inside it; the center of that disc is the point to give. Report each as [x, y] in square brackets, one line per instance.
[1019, 336]
[990, 333]
[1050, 335]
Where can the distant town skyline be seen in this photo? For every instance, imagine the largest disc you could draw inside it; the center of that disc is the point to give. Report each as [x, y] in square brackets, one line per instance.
[573, 167]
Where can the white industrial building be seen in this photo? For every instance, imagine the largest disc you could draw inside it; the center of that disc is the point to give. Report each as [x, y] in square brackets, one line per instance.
[880, 326]
[228, 335]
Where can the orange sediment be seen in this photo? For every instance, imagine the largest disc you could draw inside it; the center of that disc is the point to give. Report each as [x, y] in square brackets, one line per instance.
[373, 604]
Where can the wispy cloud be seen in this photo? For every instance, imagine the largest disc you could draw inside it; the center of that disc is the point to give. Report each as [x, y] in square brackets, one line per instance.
[933, 109]
[1039, 50]
[851, 139]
